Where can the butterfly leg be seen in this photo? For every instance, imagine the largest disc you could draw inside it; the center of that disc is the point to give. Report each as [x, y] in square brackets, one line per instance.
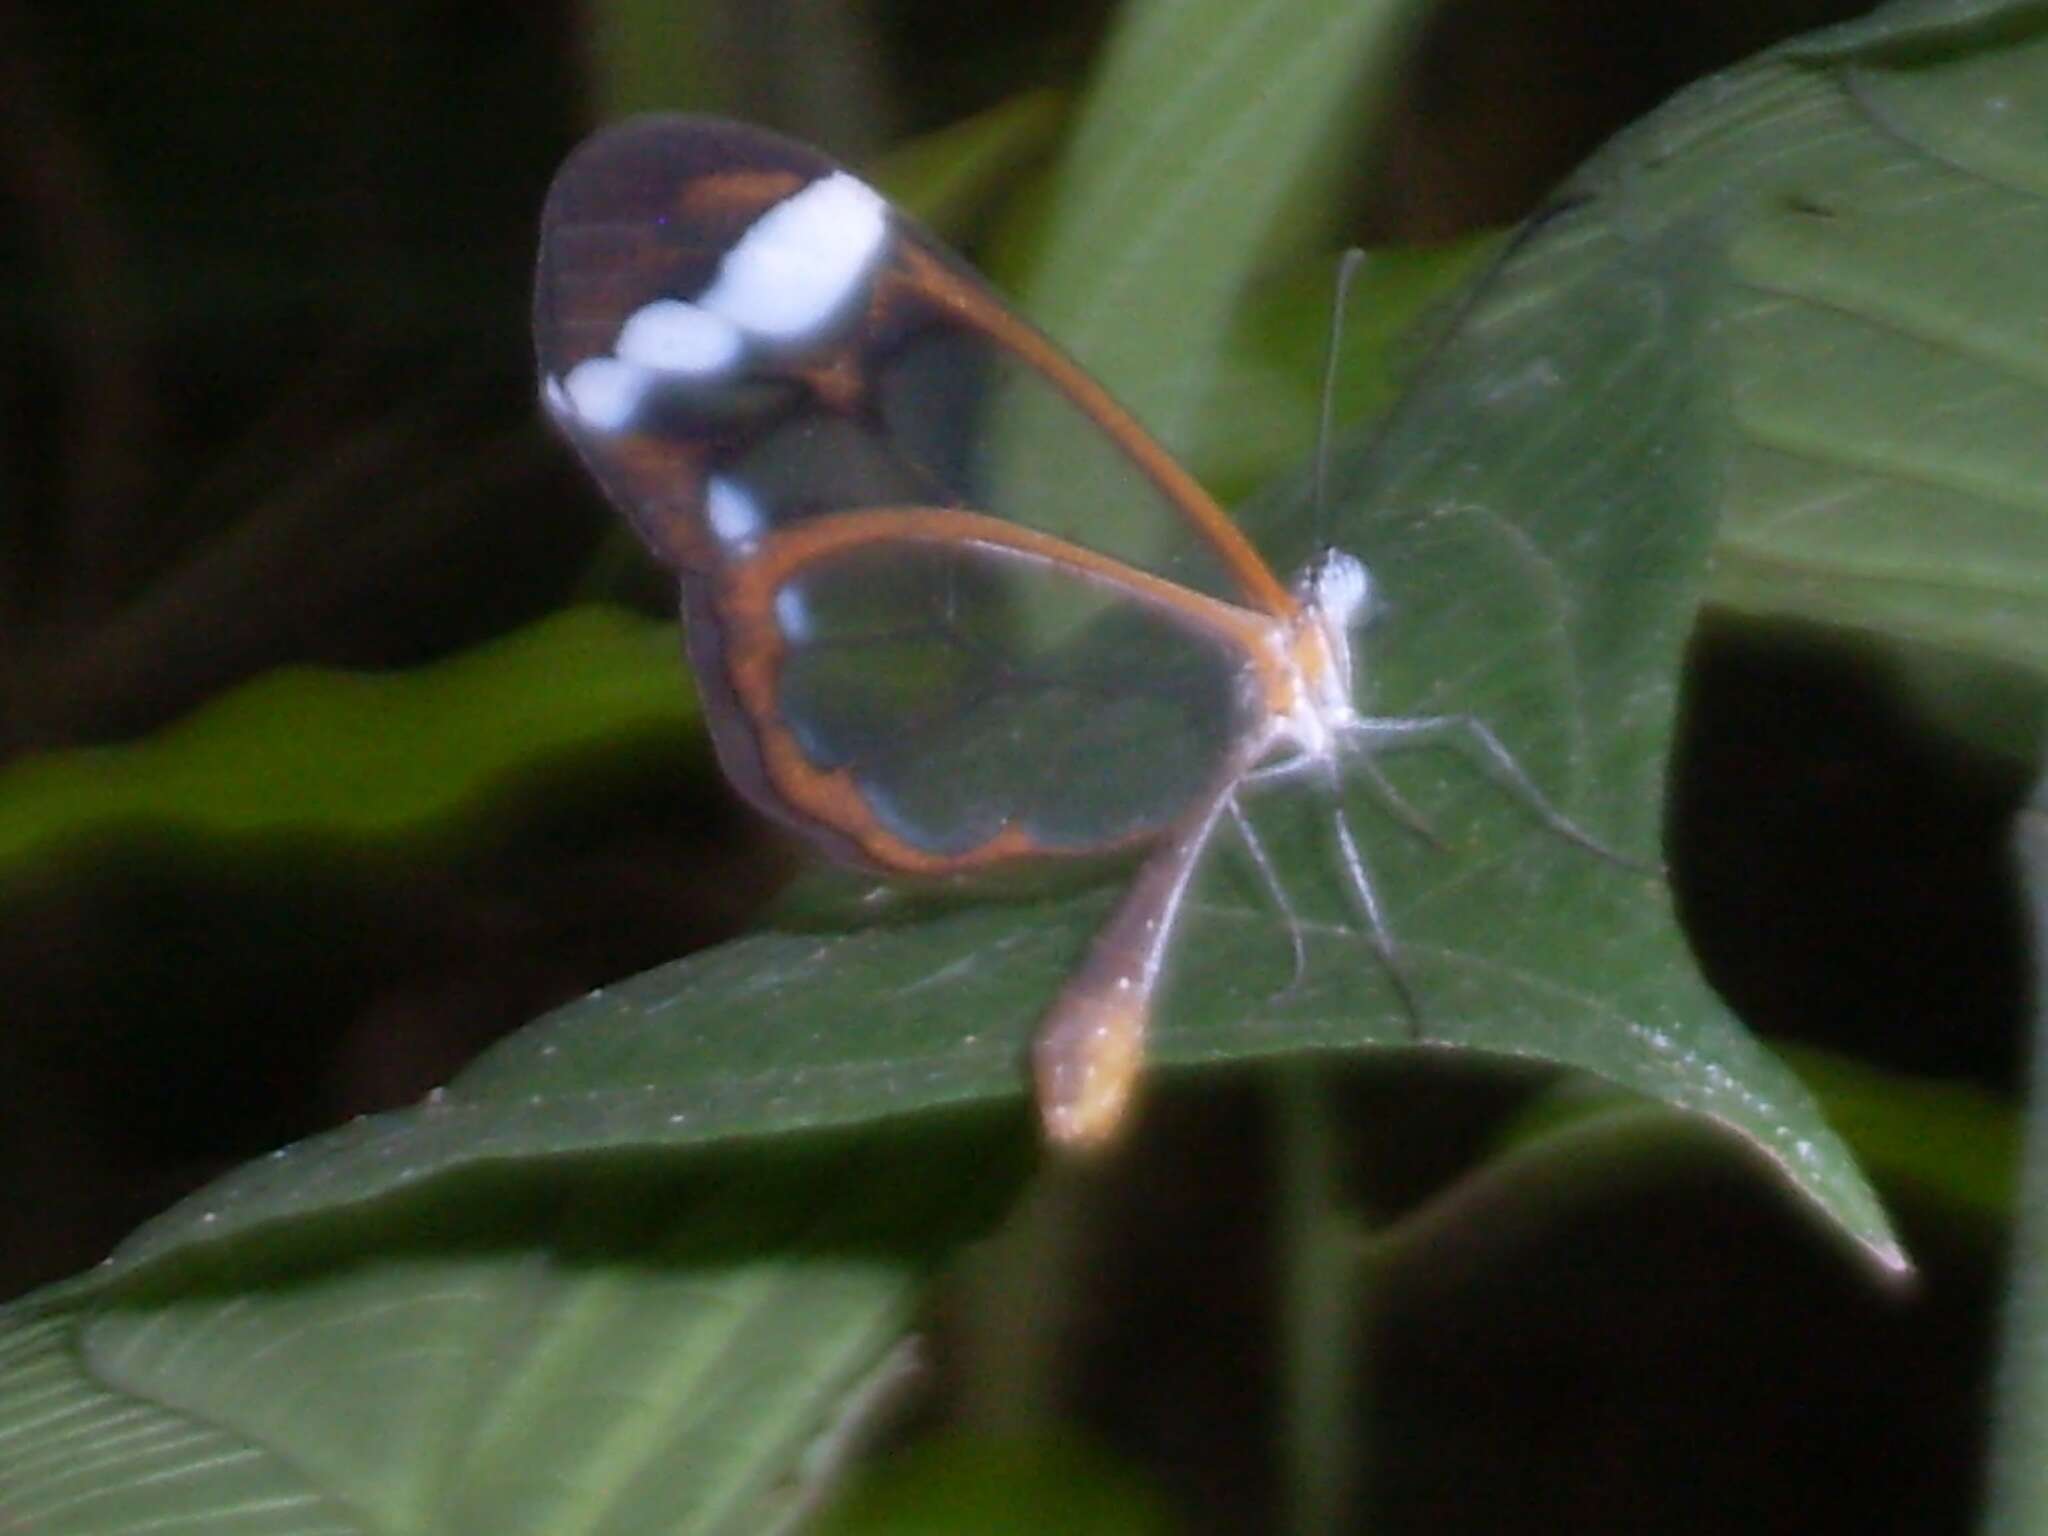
[1383, 731]
[1358, 879]
[1357, 875]
[1263, 862]
[1397, 803]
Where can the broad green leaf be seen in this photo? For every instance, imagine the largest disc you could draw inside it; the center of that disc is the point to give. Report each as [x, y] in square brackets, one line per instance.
[603, 1346]
[1205, 117]
[1539, 557]
[348, 759]
[79, 1456]
[1885, 188]
[946, 177]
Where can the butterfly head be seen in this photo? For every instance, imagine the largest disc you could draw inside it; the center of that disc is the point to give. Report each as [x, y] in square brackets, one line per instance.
[1337, 598]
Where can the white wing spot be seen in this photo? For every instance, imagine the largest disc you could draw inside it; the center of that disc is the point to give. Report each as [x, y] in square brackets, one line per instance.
[734, 515]
[802, 259]
[793, 614]
[672, 336]
[603, 393]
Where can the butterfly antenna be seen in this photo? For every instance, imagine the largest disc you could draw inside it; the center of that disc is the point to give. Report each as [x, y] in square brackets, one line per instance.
[1347, 271]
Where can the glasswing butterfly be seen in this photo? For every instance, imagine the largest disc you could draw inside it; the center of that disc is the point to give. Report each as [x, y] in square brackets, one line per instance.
[919, 643]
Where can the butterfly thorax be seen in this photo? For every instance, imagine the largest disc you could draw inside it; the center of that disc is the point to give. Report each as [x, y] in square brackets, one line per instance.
[1335, 594]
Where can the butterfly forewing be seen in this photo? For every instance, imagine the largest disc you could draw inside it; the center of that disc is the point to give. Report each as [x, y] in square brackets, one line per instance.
[722, 314]
[946, 602]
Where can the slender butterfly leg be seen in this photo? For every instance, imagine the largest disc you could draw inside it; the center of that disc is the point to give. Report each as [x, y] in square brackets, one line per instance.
[1358, 879]
[1397, 803]
[1382, 732]
[1263, 862]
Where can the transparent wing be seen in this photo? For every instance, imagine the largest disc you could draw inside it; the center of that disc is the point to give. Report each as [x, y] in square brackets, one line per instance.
[740, 337]
[926, 690]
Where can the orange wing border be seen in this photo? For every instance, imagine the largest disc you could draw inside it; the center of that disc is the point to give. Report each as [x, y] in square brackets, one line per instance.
[752, 650]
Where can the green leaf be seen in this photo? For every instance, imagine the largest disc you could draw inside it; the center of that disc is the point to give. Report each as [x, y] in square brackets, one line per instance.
[1000, 1487]
[599, 1346]
[1206, 116]
[1195, 157]
[1887, 188]
[945, 178]
[1537, 518]
[352, 759]
[1262, 417]
[78, 1457]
